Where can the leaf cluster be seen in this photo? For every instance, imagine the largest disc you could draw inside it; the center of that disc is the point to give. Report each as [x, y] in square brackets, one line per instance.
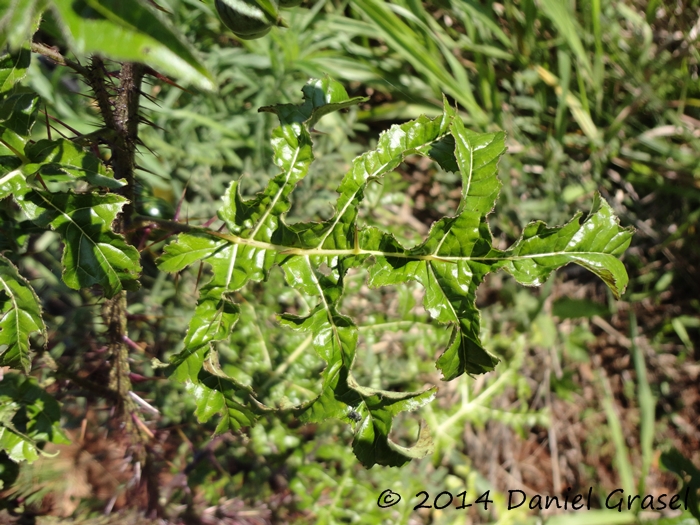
[59, 185]
[450, 264]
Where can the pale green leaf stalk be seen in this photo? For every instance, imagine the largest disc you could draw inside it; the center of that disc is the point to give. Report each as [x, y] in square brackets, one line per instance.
[450, 264]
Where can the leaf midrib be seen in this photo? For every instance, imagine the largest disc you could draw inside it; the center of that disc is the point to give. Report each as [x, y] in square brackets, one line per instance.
[84, 234]
[402, 155]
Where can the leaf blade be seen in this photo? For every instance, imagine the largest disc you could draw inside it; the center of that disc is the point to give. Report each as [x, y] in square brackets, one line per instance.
[21, 316]
[128, 30]
[93, 254]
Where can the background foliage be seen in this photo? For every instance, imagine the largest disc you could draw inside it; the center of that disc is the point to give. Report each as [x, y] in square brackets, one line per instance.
[590, 391]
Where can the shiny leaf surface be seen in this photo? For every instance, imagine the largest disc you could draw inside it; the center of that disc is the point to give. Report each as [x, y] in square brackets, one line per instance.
[450, 264]
[93, 253]
[20, 317]
[594, 242]
[253, 222]
[63, 160]
[129, 30]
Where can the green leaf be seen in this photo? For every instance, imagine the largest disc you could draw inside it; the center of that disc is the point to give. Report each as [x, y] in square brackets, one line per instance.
[60, 160]
[477, 157]
[128, 30]
[18, 110]
[28, 416]
[595, 243]
[371, 443]
[13, 68]
[334, 340]
[321, 97]
[11, 179]
[21, 317]
[394, 145]
[450, 264]
[188, 249]
[216, 393]
[255, 220]
[93, 253]
[19, 19]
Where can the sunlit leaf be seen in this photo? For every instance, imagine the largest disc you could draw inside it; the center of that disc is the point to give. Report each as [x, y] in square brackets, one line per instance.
[450, 264]
[63, 160]
[377, 411]
[254, 222]
[594, 242]
[20, 317]
[129, 30]
[93, 253]
[216, 395]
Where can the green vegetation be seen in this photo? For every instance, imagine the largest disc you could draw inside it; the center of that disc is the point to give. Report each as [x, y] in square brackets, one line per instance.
[207, 308]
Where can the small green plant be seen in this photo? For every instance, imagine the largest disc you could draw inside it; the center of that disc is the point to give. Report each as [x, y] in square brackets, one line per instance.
[61, 185]
[315, 257]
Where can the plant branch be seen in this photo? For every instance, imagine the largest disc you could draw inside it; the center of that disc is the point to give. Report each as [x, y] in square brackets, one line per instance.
[57, 57]
[126, 122]
[179, 227]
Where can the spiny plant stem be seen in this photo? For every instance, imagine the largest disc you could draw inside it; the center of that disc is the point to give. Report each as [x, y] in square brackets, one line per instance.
[95, 76]
[126, 122]
[120, 114]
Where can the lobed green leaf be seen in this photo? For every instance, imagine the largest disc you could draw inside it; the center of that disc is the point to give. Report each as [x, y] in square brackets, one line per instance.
[595, 243]
[254, 222]
[130, 31]
[20, 317]
[371, 443]
[62, 160]
[450, 264]
[93, 254]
